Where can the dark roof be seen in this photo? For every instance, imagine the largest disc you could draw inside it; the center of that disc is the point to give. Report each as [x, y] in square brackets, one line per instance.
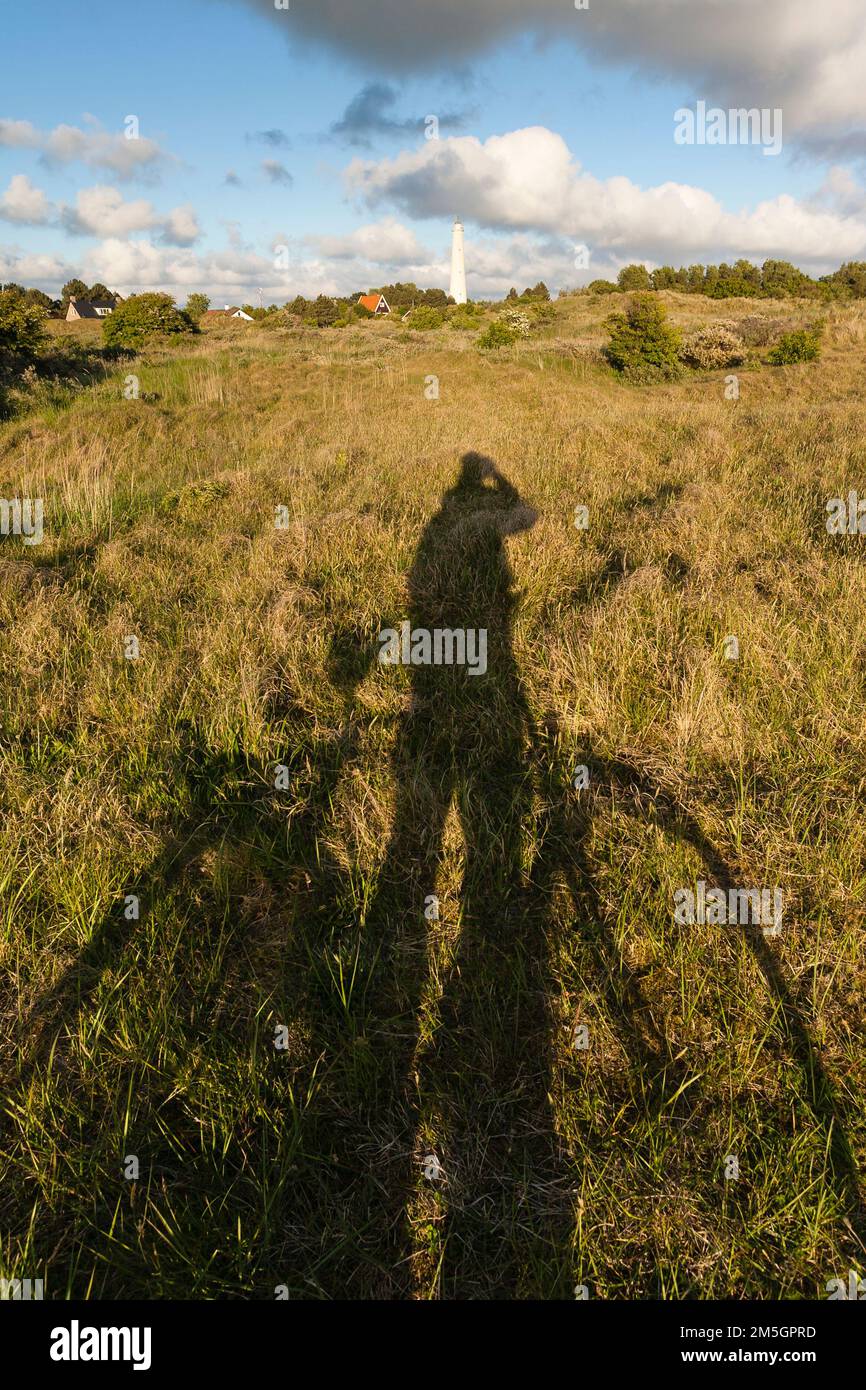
[86, 308]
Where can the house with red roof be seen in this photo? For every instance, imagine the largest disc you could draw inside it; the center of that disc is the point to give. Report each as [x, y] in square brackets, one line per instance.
[376, 303]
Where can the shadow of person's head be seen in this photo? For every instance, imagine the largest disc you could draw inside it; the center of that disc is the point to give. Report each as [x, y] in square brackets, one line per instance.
[461, 579]
[482, 497]
[476, 470]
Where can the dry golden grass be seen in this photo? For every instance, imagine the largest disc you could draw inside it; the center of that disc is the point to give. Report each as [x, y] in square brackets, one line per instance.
[304, 907]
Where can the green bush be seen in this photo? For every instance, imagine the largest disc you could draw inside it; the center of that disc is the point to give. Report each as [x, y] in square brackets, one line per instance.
[465, 318]
[643, 345]
[803, 345]
[196, 306]
[634, 277]
[541, 313]
[425, 317]
[22, 334]
[144, 316]
[601, 287]
[498, 335]
[782, 280]
[849, 279]
[324, 312]
[733, 288]
[22, 330]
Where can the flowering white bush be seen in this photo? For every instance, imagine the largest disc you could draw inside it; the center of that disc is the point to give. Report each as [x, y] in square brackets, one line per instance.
[717, 345]
[517, 321]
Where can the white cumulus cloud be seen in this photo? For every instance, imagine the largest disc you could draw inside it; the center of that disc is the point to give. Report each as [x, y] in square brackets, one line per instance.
[388, 242]
[528, 180]
[47, 271]
[22, 202]
[100, 211]
[100, 149]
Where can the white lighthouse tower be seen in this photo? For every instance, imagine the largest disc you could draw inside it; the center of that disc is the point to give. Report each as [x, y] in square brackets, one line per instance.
[458, 267]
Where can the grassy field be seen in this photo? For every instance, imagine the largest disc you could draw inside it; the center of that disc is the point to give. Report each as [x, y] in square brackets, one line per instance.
[286, 1033]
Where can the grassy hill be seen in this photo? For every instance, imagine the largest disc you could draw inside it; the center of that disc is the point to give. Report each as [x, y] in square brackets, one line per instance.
[281, 1037]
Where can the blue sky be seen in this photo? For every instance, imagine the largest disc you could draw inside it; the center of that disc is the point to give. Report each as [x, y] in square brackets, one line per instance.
[206, 80]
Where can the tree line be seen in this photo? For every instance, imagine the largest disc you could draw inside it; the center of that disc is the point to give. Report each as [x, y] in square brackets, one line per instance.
[773, 280]
[323, 310]
[72, 289]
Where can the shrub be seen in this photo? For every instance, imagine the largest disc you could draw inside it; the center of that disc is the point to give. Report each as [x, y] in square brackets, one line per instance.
[22, 331]
[634, 277]
[280, 318]
[21, 336]
[849, 279]
[144, 316]
[757, 331]
[781, 280]
[601, 287]
[425, 317]
[803, 345]
[643, 345]
[498, 335]
[733, 288]
[465, 318]
[325, 311]
[517, 321]
[541, 313]
[197, 305]
[717, 345]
